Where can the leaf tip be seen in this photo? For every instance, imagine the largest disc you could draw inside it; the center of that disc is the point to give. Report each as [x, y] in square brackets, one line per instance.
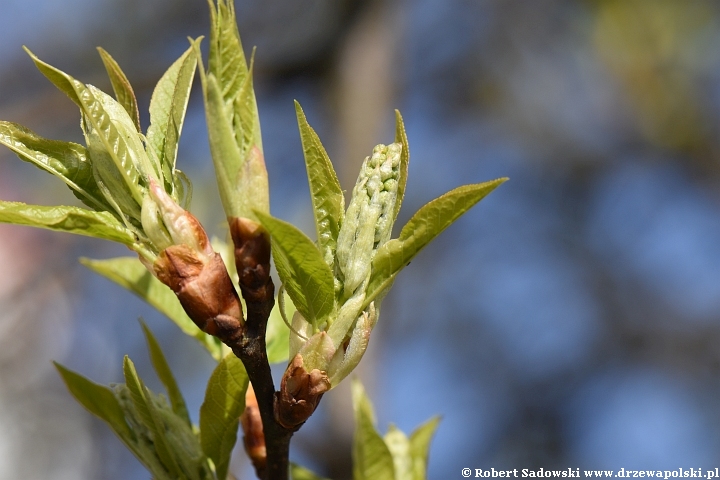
[85, 261]
[143, 325]
[299, 113]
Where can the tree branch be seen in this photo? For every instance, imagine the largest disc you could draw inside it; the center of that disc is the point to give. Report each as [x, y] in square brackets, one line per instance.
[252, 257]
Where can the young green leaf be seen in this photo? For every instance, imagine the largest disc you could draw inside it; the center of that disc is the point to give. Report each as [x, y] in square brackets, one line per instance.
[423, 227]
[401, 137]
[232, 118]
[420, 446]
[167, 111]
[66, 160]
[142, 444]
[66, 219]
[372, 459]
[183, 188]
[246, 120]
[226, 58]
[301, 473]
[60, 79]
[112, 128]
[98, 399]
[149, 416]
[109, 121]
[399, 446]
[110, 182]
[131, 274]
[252, 178]
[277, 336]
[165, 374]
[220, 412]
[121, 86]
[307, 278]
[327, 197]
[225, 152]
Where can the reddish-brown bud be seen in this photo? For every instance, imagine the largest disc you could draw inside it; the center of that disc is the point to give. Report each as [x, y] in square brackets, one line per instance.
[300, 393]
[204, 288]
[252, 258]
[254, 438]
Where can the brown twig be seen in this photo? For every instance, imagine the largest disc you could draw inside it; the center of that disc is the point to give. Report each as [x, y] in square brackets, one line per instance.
[252, 257]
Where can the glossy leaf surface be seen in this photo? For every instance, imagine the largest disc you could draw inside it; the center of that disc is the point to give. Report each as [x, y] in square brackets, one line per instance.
[66, 219]
[66, 160]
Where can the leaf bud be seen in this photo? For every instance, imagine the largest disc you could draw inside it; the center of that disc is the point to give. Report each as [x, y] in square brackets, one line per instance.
[204, 288]
[252, 258]
[299, 395]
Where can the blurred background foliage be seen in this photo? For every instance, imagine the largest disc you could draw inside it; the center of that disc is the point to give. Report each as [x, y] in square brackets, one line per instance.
[572, 319]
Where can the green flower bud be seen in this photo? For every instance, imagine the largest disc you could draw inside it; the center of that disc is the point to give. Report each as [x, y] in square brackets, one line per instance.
[369, 218]
[336, 348]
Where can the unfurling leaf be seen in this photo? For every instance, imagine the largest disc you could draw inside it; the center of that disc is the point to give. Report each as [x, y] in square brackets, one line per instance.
[399, 446]
[167, 113]
[110, 132]
[121, 86]
[232, 118]
[148, 415]
[372, 459]
[401, 138]
[66, 160]
[98, 399]
[220, 412]
[394, 456]
[226, 154]
[108, 123]
[165, 375]
[420, 447]
[326, 195]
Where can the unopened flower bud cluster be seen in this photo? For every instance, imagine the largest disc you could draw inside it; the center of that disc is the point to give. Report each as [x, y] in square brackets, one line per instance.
[369, 218]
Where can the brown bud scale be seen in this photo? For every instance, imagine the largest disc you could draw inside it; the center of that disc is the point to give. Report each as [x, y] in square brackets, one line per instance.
[204, 289]
[254, 438]
[252, 258]
[300, 393]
